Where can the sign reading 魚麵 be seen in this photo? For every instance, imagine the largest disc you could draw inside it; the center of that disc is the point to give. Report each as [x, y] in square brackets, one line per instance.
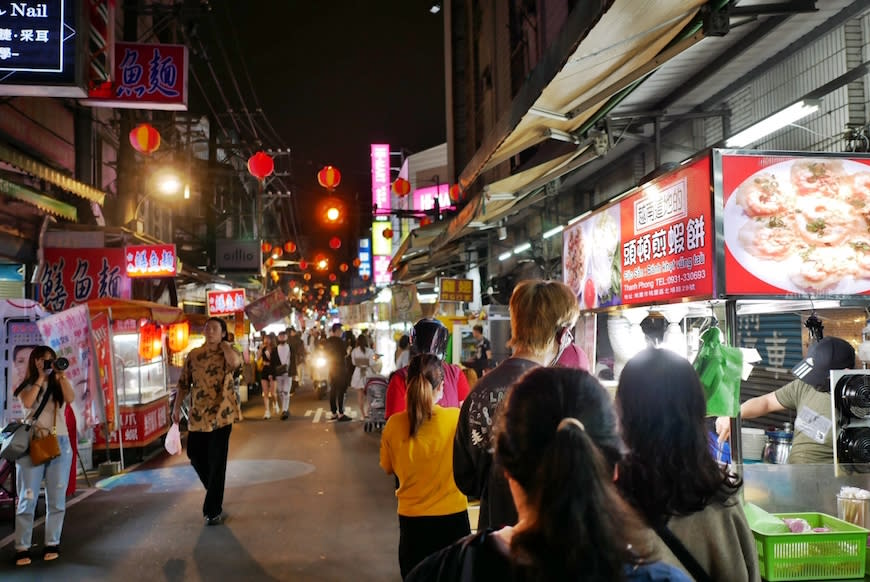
[70, 276]
[225, 302]
[150, 260]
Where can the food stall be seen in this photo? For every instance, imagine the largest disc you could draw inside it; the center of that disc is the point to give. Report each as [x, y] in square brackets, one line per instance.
[771, 248]
[139, 332]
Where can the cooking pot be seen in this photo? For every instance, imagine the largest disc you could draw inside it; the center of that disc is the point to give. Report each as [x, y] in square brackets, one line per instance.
[778, 447]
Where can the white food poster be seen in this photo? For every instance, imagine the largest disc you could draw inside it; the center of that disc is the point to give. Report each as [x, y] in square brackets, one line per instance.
[796, 225]
[591, 259]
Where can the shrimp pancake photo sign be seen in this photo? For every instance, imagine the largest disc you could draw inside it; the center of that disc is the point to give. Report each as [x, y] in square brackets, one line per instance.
[796, 224]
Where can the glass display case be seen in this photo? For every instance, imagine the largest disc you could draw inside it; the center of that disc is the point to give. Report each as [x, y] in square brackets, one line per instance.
[137, 381]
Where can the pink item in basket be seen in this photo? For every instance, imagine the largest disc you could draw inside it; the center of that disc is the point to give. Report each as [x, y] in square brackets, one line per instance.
[798, 525]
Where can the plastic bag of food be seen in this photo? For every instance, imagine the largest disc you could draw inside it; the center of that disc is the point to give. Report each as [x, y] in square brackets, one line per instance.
[798, 525]
[719, 368]
[173, 440]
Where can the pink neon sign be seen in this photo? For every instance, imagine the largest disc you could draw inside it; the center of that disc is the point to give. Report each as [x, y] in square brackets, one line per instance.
[382, 270]
[381, 177]
[424, 198]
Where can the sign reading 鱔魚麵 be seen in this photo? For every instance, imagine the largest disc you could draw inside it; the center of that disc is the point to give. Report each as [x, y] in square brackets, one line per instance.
[40, 48]
[150, 260]
[70, 276]
[667, 237]
[225, 302]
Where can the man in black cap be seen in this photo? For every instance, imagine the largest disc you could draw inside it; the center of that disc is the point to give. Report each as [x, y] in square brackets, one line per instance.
[809, 396]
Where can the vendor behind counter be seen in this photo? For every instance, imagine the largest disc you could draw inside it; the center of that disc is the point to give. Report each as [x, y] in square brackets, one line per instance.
[809, 397]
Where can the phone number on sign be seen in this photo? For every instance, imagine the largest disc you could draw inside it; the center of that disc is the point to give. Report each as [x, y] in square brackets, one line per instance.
[698, 275]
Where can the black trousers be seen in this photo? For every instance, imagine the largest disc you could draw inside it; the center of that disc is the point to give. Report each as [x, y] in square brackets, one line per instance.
[337, 388]
[207, 452]
[422, 536]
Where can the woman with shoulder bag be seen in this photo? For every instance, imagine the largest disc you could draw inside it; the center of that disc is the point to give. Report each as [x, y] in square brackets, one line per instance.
[44, 382]
[363, 358]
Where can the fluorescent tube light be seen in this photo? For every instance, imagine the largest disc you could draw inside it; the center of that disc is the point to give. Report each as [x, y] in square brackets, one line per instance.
[522, 247]
[554, 231]
[775, 122]
[576, 219]
[505, 256]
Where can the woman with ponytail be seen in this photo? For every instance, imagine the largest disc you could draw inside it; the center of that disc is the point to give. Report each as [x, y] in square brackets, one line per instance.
[558, 443]
[417, 447]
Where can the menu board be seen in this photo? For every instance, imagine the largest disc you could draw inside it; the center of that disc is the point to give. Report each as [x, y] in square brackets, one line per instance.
[653, 246]
[795, 224]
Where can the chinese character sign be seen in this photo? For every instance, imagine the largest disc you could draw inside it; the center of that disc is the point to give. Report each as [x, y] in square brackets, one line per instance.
[68, 333]
[667, 238]
[457, 290]
[72, 276]
[382, 270]
[381, 177]
[102, 379]
[365, 258]
[150, 260]
[794, 224]
[225, 302]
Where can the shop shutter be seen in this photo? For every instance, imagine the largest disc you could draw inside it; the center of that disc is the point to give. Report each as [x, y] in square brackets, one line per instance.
[11, 290]
[777, 337]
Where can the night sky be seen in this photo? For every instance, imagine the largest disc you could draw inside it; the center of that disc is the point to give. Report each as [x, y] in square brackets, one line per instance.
[335, 76]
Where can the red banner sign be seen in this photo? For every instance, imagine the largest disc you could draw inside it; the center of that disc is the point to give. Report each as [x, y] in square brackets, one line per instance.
[796, 224]
[267, 309]
[146, 76]
[225, 302]
[667, 238]
[105, 371]
[72, 276]
[150, 260]
[140, 424]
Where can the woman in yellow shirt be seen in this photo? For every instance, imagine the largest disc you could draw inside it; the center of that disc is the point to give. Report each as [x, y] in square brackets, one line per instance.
[417, 447]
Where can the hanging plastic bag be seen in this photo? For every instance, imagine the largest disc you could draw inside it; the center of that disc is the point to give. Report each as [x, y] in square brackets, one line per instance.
[719, 368]
[173, 440]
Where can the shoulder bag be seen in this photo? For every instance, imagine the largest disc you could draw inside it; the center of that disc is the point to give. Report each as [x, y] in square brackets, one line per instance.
[44, 445]
[682, 553]
[15, 437]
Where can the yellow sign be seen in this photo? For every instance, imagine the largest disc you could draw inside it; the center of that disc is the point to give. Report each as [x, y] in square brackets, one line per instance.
[457, 290]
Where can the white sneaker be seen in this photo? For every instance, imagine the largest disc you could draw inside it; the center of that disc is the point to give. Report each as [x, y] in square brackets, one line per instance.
[267, 416]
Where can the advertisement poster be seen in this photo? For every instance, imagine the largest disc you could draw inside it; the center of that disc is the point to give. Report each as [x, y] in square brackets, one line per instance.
[406, 305]
[68, 333]
[796, 224]
[591, 259]
[103, 378]
[222, 303]
[72, 276]
[268, 309]
[21, 338]
[667, 238]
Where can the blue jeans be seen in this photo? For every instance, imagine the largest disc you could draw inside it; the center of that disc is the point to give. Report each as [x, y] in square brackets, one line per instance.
[28, 479]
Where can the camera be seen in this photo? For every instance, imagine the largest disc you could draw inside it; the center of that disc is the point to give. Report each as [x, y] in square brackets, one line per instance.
[59, 364]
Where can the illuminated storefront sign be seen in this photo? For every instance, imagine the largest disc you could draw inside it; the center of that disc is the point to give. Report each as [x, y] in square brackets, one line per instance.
[381, 177]
[150, 260]
[457, 290]
[40, 48]
[382, 270]
[225, 302]
[365, 258]
[424, 198]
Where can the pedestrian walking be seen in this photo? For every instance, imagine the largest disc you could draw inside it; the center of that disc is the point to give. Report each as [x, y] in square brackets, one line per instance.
[207, 375]
[336, 351]
[283, 373]
[403, 351]
[417, 447]
[45, 393]
[363, 358]
[269, 375]
[483, 355]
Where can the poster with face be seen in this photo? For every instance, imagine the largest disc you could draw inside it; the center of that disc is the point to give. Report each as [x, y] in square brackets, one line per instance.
[21, 338]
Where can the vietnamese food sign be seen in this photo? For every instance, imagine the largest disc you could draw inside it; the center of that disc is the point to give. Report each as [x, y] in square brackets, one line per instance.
[653, 246]
[795, 223]
[39, 48]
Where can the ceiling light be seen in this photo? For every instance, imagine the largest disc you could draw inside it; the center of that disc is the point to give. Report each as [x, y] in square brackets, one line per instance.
[775, 122]
[554, 231]
[502, 233]
[436, 8]
[505, 256]
[523, 247]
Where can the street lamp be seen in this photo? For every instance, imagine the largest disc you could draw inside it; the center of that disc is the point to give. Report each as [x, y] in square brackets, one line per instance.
[167, 183]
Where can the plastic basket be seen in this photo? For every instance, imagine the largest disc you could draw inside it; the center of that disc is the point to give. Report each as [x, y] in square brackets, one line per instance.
[835, 555]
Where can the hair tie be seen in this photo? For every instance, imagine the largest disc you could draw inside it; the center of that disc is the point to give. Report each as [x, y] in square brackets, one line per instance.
[569, 420]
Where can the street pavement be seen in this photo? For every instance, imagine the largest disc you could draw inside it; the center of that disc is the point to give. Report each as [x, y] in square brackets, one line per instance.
[306, 501]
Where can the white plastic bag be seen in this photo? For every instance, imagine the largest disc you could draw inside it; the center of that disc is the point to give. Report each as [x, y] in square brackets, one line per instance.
[173, 440]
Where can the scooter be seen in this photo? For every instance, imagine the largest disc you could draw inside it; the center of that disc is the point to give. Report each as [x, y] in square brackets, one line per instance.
[320, 374]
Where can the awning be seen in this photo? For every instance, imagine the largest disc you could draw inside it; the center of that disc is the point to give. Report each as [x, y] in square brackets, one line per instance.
[44, 203]
[40, 170]
[135, 309]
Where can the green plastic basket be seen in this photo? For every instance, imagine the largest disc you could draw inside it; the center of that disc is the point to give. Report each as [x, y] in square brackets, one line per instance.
[835, 555]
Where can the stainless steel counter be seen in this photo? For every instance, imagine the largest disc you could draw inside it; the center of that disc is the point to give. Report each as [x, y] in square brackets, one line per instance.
[799, 488]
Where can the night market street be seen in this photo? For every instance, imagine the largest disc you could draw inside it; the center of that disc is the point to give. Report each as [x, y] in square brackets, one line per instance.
[306, 501]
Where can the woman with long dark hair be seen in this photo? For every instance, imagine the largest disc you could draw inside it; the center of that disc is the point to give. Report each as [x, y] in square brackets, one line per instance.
[417, 447]
[671, 478]
[43, 377]
[558, 443]
[269, 374]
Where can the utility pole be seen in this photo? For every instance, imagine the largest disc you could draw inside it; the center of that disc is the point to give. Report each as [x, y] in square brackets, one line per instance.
[123, 211]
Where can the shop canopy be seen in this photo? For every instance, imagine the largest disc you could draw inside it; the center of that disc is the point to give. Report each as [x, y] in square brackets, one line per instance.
[135, 309]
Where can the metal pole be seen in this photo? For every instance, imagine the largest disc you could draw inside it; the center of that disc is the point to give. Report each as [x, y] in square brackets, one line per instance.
[736, 422]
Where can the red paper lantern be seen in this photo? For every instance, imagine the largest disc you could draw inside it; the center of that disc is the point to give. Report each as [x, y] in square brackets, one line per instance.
[261, 165]
[344, 293]
[455, 193]
[179, 336]
[343, 267]
[277, 252]
[425, 221]
[144, 138]
[388, 233]
[307, 276]
[266, 246]
[357, 262]
[332, 277]
[329, 177]
[150, 341]
[270, 261]
[401, 187]
[365, 277]
[303, 264]
[335, 243]
[290, 247]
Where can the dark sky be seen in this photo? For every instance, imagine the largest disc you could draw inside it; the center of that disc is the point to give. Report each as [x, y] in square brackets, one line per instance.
[335, 76]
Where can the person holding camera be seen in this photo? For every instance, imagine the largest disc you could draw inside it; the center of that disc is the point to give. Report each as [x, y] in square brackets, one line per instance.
[44, 393]
[207, 375]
